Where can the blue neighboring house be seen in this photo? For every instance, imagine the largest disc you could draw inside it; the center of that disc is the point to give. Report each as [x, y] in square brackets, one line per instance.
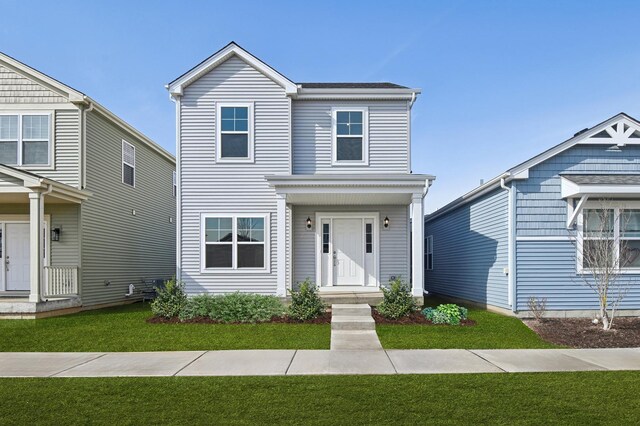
[521, 233]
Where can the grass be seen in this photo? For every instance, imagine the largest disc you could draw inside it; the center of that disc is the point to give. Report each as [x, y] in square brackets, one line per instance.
[541, 398]
[492, 331]
[124, 329]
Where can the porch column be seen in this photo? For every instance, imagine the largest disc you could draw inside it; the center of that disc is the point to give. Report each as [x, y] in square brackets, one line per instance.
[36, 216]
[417, 245]
[281, 238]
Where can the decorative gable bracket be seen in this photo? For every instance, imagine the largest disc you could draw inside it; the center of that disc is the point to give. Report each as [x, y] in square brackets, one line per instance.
[622, 132]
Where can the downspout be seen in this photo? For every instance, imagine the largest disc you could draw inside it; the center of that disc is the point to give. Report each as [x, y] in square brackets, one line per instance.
[413, 99]
[83, 144]
[511, 241]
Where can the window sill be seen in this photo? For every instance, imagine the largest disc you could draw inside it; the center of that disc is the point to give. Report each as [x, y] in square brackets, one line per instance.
[350, 164]
[234, 161]
[224, 271]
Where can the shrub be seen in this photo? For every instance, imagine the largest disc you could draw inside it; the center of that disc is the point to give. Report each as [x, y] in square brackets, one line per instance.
[446, 314]
[170, 299]
[233, 307]
[305, 302]
[538, 307]
[397, 300]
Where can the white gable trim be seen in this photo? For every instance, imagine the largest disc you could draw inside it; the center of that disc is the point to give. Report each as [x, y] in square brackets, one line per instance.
[177, 86]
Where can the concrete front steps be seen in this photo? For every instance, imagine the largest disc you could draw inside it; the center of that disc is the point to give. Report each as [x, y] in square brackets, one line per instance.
[353, 327]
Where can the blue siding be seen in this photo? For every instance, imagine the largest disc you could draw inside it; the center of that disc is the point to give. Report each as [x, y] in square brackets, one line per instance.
[548, 269]
[471, 251]
[540, 210]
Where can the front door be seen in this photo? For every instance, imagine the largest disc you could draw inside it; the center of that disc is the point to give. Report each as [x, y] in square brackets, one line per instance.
[348, 252]
[16, 256]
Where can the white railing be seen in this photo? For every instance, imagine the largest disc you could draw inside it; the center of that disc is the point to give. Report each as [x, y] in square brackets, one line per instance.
[61, 281]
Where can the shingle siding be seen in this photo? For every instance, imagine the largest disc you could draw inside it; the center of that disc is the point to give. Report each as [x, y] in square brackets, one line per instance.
[18, 89]
[470, 251]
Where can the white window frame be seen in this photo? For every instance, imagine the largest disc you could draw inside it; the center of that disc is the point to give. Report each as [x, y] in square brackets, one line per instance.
[266, 269]
[429, 251]
[174, 176]
[616, 206]
[50, 161]
[365, 135]
[250, 141]
[124, 142]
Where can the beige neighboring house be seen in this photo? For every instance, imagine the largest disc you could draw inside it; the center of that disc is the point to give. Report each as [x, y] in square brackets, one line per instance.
[87, 202]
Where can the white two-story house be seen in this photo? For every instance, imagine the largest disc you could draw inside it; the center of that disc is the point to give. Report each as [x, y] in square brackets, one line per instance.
[279, 182]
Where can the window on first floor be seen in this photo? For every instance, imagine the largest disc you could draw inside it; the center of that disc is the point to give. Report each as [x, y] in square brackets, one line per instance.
[235, 242]
[610, 237]
[25, 139]
[428, 256]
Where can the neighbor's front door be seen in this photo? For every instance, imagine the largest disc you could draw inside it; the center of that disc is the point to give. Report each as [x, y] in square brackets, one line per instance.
[348, 252]
[17, 256]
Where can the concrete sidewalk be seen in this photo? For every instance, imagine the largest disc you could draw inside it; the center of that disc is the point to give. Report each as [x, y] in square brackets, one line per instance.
[313, 362]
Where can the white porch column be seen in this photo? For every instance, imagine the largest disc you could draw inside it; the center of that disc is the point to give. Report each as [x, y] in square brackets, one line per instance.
[36, 217]
[281, 238]
[417, 244]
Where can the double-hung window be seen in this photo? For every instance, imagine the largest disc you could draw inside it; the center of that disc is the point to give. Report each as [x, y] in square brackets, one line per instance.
[25, 139]
[235, 242]
[428, 256]
[234, 134]
[128, 164]
[350, 136]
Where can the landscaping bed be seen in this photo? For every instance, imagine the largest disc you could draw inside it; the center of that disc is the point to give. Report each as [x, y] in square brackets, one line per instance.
[582, 333]
[416, 318]
[322, 319]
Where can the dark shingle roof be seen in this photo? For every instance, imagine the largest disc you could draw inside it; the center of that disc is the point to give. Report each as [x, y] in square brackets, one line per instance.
[351, 86]
[619, 179]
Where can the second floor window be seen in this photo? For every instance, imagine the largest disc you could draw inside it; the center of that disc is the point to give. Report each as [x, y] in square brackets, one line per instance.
[234, 135]
[25, 139]
[128, 164]
[350, 144]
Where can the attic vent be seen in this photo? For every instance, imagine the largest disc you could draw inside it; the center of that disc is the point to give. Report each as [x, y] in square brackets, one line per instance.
[603, 134]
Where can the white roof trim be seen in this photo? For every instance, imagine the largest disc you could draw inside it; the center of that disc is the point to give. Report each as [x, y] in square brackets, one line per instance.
[51, 83]
[569, 189]
[177, 86]
[36, 182]
[357, 93]
[521, 171]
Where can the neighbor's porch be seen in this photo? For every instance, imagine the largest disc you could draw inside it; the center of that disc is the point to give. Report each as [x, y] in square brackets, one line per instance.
[350, 235]
[39, 244]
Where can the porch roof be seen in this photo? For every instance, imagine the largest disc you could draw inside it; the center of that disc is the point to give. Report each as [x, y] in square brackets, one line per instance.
[600, 185]
[21, 182]
[343, 189]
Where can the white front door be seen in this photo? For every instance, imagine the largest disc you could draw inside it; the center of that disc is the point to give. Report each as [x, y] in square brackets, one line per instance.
[348, 252]
[16, 256]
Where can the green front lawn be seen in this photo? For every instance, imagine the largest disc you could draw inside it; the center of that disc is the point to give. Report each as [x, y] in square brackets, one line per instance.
[492, 331]
[541, 398]
[124, 329]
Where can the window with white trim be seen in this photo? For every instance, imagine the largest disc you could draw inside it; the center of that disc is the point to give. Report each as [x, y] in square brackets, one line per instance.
[234, 132]
[175, 183]
[609, 232]
[25, 139]
[128, 163]
[235, 242]
[428, 256]
[350, 136]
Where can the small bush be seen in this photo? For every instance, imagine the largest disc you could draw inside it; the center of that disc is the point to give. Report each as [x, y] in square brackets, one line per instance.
[305, 302]
[233, 307]
[170, 300]
[397, 300]
[538, 307]
[446, 314]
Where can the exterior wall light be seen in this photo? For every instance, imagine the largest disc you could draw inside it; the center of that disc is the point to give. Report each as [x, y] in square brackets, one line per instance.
[386, 222]
[309, 223]
[55, 234]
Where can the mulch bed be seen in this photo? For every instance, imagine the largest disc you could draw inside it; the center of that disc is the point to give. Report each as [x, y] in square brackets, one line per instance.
[415, 318]
[323, 319]
[582, 333]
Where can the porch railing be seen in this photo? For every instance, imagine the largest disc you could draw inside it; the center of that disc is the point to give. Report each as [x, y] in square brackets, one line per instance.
[61, 281]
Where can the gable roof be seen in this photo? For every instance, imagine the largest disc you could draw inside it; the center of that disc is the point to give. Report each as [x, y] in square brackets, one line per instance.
[620, 130]
[76, 97]
[341, 90]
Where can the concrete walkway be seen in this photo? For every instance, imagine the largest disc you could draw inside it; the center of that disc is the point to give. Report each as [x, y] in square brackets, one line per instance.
[310, 362]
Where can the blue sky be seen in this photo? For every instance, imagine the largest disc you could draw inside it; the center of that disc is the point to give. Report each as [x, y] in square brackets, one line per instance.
[502, 81]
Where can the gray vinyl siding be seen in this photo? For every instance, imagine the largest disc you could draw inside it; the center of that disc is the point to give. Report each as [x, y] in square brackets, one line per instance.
[394, 242]
[207, 187]
[470, 251]
[388, 137]
[65, 252]
[547, 269]
[17, 89]
[119, 248]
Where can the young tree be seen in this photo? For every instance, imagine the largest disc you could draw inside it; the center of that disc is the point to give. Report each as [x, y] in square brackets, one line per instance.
[604, 253]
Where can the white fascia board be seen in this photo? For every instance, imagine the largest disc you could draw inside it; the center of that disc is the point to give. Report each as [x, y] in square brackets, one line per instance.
[51, 83]
[356, 94]
[176, 87]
